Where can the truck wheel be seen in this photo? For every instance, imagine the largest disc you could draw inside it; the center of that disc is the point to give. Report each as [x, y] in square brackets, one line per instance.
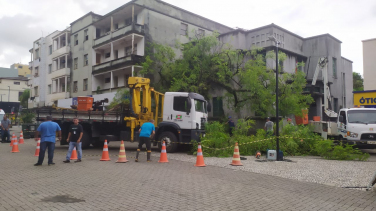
[85, 140]
[170, 140]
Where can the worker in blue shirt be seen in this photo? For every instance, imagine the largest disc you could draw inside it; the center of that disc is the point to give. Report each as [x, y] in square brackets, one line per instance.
[147, 130]
[231, 125]
[47, 130]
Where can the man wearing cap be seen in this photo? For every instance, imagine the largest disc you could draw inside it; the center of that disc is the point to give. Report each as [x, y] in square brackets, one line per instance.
[269, 127]
[47, 132]
[231, 124]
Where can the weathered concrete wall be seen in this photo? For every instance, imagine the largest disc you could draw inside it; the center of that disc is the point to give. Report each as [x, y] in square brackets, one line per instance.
[369, 64]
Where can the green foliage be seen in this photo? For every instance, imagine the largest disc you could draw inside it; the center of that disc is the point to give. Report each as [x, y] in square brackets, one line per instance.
[27, 116]
[121, 98]
[24, 97]
[207, 64]
[294, 141]
[357, 82]
[98, 90]
[328, 150]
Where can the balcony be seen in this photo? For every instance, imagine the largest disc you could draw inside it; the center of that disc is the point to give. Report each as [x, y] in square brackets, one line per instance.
[117, 63]
[60, 73]
[60, 51]
[111, 36]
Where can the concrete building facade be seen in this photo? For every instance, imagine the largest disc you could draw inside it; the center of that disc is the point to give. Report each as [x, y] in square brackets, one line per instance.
[299, 49]
[369, 64]
[11, 88]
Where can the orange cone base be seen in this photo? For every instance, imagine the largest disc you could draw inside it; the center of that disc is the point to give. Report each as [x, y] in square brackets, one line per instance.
[121, 160]
[163, 158]
[236, 164]
[108, 159]
[200, 162]
[36, 154]
[74, 155]
[15, 148]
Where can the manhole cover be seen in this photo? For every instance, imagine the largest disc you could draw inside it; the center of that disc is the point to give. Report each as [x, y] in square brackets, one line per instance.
[62, 199]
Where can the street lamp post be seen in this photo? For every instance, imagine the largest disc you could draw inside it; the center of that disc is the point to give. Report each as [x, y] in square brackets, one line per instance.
[8, 93]
[273, 39]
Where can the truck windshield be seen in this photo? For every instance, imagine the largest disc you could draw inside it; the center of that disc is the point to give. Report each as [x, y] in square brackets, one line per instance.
[200, 106]
[362, 116]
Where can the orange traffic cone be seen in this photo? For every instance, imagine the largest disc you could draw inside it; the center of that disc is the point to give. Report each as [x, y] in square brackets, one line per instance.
[200, 157]
[12, 141]
[236, 157]
[21, 140]
[37, 149]
[122, 155]
[105, 155]
[74, 154]
[15, 146]
[163, 158]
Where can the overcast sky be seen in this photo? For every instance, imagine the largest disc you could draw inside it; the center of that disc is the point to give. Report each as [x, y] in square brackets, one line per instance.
[351, 21]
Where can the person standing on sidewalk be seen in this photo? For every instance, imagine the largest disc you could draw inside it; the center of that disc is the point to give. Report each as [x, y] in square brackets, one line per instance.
[47, 131]
[74, 139]
[146, 131]
[5, 123]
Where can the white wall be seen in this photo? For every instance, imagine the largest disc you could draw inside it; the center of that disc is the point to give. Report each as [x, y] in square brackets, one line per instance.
[12, 93]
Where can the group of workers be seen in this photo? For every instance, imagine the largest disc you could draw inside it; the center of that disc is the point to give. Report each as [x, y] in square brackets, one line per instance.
[48, 129]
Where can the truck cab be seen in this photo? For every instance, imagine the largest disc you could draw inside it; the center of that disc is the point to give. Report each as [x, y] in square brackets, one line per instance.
[2, 113]
[184, 118]
[357, 126]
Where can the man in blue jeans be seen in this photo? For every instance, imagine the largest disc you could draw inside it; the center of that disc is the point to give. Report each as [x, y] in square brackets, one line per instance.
[146, 130]
[47, 131]
[5, 123]
[74, 140]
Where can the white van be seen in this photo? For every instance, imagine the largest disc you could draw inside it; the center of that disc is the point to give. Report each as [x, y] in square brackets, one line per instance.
[2, 113]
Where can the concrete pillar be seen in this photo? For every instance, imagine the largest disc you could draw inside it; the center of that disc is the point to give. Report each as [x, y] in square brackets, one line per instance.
[66, 61]
[132, 70]
[58, 63]
[58, 85]
[112, 81]
[133, 14]
[132, 43]
[66, 84]
[112, 23]
[112, 51]
[66, 39]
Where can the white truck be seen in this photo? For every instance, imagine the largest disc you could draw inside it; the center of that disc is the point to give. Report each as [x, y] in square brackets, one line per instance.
[355, 126]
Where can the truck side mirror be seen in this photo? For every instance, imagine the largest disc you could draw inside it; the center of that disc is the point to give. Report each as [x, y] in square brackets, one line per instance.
[340, 118]
[208, 106]
[189, 105]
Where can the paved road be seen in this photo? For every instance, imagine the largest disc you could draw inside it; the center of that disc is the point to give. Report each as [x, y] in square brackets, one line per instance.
[96, 185]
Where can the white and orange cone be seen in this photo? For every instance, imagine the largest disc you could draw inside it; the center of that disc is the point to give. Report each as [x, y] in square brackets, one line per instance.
[236, 157]
[200, 157]
[122, 155]
[163, 158]
[12, 141]
[74, 154]
[15, 146]
[105, 155]
[37, 149]
[21, 140]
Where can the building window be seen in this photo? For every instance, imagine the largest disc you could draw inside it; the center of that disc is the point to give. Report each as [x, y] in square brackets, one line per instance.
[334, 67]
[49, 89]
[218, 107]
[36, 72]
[85, 35]
[107, 80]
[36, 54]
[107, 55]
[335, 104]
[201, 33]
[184, 29]
[85, 85]
[180, 104]
[86, 60]
[128, 21]
[16, 83]
[116, 26]
[75, 86]
[116, 54]
[75, 63]
[76, 39]
[50, 49]
[36, 91]
[49, 68]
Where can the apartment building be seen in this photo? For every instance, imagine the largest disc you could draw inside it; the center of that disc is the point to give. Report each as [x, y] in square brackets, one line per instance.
[108, 49]
[11, 88]
[369, 64]
[299, 49]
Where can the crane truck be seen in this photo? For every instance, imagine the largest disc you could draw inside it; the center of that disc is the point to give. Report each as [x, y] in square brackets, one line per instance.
[355, 126]
[179, 117]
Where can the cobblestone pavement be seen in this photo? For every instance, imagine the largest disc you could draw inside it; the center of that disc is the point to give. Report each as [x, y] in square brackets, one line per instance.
[177, 185]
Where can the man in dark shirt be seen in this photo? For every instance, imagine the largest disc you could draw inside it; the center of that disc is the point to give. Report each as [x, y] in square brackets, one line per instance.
[5, 123]
[74, 140]
[231, 125]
